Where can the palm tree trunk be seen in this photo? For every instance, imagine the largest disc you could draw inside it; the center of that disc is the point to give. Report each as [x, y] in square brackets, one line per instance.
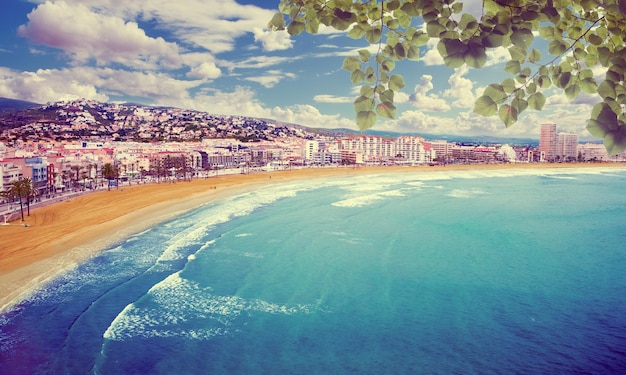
[22, 208]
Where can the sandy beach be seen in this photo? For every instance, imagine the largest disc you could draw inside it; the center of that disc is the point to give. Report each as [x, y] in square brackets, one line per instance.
[61, 235]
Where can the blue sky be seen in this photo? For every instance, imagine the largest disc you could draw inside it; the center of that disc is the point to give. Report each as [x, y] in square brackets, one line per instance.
[217, 56]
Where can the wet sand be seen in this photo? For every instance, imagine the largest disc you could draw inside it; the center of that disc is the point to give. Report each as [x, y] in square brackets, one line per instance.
[61, 235]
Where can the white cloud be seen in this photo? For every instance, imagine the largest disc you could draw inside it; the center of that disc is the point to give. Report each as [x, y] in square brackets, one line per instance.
[332, 99]
[432, 56]
[206, 70]
[461, 89]
[497, 56]
[258, 62]
[46, 85]
[85, 35]
[271, 78]
[272, 40]
[243, 101]
[424, 101]
[310, 116]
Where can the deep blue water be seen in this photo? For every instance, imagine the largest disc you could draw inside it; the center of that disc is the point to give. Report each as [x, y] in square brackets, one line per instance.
[493, 272]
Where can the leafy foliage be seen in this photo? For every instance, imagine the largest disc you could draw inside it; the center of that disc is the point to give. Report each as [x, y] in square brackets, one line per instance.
[581, 35]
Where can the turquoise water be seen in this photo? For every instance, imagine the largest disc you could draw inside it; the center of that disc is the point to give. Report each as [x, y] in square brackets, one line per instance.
[493, 272]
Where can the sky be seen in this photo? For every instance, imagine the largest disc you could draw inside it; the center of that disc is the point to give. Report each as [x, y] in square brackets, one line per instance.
[217, 56]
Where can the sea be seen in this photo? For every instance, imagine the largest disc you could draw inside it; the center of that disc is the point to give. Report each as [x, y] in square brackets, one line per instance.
[514, 271]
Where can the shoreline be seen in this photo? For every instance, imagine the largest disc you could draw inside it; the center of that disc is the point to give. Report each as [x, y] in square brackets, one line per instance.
[62, 235]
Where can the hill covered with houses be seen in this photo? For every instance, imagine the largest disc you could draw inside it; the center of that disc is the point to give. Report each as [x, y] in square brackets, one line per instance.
[90, 120]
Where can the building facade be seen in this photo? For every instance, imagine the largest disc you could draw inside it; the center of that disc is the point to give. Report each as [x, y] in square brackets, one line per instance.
[548, 142]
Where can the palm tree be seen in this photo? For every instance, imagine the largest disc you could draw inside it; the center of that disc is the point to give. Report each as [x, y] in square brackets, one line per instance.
[76, 169]
[20, 190]
[110, 172]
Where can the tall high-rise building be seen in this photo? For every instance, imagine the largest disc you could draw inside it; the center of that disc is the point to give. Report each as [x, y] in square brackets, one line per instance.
[567, 146]
[548, 142]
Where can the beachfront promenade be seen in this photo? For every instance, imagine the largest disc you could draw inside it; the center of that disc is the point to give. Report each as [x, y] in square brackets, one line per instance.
[10, 212]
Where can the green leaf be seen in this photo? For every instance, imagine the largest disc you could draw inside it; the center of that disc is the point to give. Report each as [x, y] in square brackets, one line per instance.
[388, 65]
[589, 85]
[522, 38]
[493, 40]
[399, 51]
[364, 55]
[386, 109]
[517, 54]
[369, 75]
[496, 93]
[519, 104]
[572, 91]
[615, 142]
[544, 82]
[357, 32]
[277, 22]
[563, 80]
[373, 35]
[413, 53]
[351, 64]
[386, 96]
[367, 91]
[512, 67]
[485, 106]
[475, 56]
[508, 85]
[534, 55]
[467, 20]
[342, 19]
[547, 32]
[508, 115]
[365, 119]
[596, 129]
[604, 55]
[452, 51]
[604, 118]
[357, 76]
[434, 28]
[420, 39]
[363, 104]
[396, 82]
[312, 26]
[536, 101]
[295, 27]
[557, 48]
[594, 39]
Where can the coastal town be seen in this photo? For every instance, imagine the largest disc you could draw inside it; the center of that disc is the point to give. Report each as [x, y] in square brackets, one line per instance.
[82, 145]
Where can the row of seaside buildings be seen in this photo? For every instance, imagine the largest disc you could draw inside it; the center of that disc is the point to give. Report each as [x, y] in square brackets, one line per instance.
[57, 167]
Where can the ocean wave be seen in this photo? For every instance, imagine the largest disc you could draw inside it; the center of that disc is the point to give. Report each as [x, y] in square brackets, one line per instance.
[180, 307]
[465, 193]
[366, 200]
[204, 221]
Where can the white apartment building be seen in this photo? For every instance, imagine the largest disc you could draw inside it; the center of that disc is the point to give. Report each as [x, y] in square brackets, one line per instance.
[412, 149]
[567, 146]
[310, 149]
[9, 173]
[373, 148]
[441, 149]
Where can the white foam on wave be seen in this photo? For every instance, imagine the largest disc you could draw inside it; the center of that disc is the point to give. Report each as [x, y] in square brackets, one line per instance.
[345, 237]
[204, 221]
[465, 193]
[560, 177]
[243, 235]
[366, 200]
[180, 307]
